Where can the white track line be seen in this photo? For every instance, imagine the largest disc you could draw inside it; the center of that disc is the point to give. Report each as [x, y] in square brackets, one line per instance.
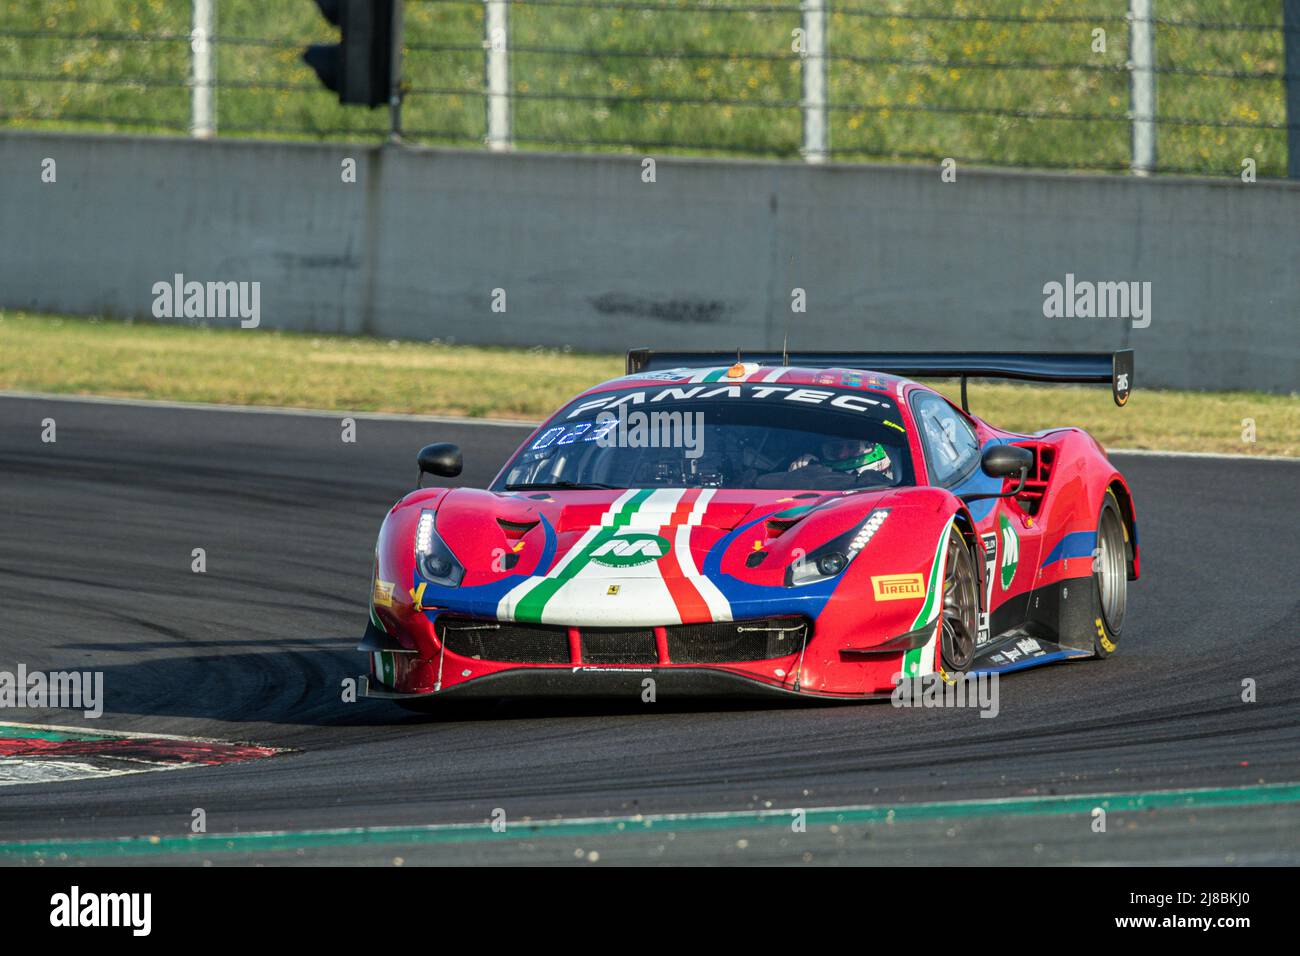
[269, 410]
[495, 422]
[1220, 456]
[17, 771]
[130, 734]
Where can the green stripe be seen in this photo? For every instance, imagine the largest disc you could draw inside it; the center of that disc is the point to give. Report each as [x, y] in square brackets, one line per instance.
[912, 659]
[934, 589]
[206, 843]
[532, 604]
[790, 512]
[10, 732]
[715, 375]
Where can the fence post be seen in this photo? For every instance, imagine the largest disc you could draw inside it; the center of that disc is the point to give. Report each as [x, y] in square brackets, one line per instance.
[497, 65]
[395, 75]
[1142, 84]
[815, 147]
[1291, 41]
[203, 92]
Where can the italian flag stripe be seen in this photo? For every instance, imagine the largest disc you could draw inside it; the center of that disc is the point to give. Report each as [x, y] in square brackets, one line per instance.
[690, 604]
[529, 607]
[920, 660]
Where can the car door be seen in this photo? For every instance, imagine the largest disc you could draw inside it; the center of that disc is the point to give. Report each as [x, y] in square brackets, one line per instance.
[1012, 539]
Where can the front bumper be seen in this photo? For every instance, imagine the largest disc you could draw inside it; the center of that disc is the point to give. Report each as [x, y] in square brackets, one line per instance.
[613, 682]
[568, 664]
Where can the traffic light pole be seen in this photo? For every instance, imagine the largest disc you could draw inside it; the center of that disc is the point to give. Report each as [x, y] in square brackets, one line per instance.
[395, 87]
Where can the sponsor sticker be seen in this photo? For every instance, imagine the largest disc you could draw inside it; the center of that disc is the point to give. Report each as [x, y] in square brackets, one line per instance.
[898, 587]
[383, 595]
[630, 550]
[1010, 551]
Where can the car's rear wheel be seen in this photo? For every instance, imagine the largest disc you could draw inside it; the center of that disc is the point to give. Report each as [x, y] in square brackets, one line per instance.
[960, 607]
[1110, 577]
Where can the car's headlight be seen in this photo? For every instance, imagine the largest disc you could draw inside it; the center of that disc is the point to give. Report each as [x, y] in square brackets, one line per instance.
[835, 555]
[433, 558]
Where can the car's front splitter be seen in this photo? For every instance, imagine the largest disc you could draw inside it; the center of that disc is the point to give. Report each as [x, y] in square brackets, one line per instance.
[615, 682]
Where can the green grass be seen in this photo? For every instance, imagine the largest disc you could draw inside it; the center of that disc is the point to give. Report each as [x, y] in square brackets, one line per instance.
[879, 105]
[183, 363]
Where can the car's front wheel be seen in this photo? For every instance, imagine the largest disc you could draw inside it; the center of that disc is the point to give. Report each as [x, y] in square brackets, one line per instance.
[960, 606]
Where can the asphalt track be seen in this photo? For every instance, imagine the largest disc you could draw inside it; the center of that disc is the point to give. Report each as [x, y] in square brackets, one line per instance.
[95, 573]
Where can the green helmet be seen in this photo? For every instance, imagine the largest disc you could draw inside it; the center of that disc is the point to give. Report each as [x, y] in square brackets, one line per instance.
[872, 455]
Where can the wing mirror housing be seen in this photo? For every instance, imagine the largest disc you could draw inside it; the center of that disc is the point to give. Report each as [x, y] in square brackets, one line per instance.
[442, 459]
[1004, 461]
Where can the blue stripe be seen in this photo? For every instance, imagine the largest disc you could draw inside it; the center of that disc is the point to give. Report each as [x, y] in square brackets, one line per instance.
[1077, 544]
[979, 483]
[756, 600]
[1030, 662]
[481, 600]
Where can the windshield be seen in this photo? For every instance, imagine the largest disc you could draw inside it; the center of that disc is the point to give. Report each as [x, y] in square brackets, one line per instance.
[718, 436]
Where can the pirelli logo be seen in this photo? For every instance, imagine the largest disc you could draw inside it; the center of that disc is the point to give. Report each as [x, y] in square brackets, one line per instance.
[898, 587]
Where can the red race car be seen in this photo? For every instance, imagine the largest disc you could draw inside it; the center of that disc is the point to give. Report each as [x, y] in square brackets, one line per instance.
[810, 524]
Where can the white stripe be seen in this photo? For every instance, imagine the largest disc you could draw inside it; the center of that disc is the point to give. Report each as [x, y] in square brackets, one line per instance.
[926, 665]
[510, 600]
[267, 410]
[98, 732]
[701, 505]
[643, 597]
[719, 607]
[775, 373]
[15, 772]
[1220, 456]
[656, 510]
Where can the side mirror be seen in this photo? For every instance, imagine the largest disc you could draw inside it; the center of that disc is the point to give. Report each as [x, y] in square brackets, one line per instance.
[1006, 461]
[442, 459]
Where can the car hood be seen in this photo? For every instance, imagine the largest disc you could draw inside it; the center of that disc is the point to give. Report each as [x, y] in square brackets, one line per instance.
[640, 557]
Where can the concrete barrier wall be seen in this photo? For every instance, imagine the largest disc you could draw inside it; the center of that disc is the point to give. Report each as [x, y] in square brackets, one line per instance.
[593, 257]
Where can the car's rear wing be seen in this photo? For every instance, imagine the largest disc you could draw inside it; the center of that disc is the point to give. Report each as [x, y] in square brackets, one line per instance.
[1079, 367]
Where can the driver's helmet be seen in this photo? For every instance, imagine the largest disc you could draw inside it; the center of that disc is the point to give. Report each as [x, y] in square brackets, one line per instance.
[855, 456]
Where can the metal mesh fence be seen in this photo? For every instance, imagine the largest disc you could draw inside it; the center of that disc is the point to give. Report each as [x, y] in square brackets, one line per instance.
[1001, 82]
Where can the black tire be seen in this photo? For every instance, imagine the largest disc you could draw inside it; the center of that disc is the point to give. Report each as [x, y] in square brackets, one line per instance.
[1109, 577]
[960, 607]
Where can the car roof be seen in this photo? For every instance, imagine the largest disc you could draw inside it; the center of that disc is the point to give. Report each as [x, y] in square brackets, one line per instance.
[752, 373]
